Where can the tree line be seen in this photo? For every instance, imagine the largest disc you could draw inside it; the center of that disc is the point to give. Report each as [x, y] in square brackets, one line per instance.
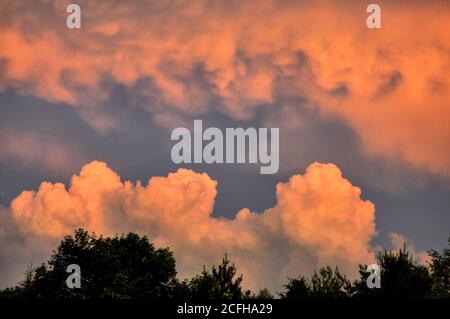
[130, 267]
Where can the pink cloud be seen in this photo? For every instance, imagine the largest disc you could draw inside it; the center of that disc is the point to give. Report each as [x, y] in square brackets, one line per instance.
[393, 81]
[319, 219]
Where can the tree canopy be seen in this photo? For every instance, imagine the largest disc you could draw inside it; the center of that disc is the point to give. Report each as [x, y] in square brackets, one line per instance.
[130, 267]
[119, 267]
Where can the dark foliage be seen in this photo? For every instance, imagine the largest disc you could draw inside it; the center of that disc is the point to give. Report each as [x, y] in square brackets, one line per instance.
[401, 277]
[120, 267]
[129, 267]
[220, 283]
[440, 273]
[323, 284]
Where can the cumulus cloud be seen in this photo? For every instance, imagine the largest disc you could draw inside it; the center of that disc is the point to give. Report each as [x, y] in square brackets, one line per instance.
[18, 250]
[186, 58]
[319, 218]
[399, 241]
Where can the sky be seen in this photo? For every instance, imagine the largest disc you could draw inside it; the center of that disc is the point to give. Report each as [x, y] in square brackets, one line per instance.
[86, 117]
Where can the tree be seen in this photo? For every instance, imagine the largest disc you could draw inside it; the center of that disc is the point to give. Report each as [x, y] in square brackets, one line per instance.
[125, 267]
[296, 288]
[440, 273]
[323, 284]
[220, 283]
[26, 286]
[401, 277]
[262, 294]
[24, 290]
[119, 267]
[329, 284]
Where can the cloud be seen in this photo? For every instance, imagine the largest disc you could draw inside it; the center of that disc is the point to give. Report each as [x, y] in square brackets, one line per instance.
[29, 148]
[18, 251]
[319, 219]
[399, 241]
[185, 59]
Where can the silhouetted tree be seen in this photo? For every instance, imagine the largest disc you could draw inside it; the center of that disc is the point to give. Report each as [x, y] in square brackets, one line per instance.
[119, 267]
[401, 277]
[220, 283]
[296, 288]
[130, 267]
[323, 284]
[25, 289]
[440, 273]
[26, 286]
[262, 294]
[329, 284]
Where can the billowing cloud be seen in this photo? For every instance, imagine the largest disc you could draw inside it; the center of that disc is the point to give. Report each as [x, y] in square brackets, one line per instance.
[186, 58]
[319, 219]
[399, 241]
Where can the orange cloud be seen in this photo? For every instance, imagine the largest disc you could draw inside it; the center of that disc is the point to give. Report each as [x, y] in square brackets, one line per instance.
[32, 147]
[185, 58]
[399, 241]
[319, 219]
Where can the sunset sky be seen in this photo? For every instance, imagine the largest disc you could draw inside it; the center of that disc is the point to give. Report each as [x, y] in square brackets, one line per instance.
[364, 116]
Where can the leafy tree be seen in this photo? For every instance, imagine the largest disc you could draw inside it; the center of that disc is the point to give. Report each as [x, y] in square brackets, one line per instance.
[323, 284]
[440, 273]
[11, 293]
[180, 289]
[296, 288]
[401, 277]
[329, 284]
[263, 294]
[119, 267]
[25, 288]
[130, 267]
[220, 283]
